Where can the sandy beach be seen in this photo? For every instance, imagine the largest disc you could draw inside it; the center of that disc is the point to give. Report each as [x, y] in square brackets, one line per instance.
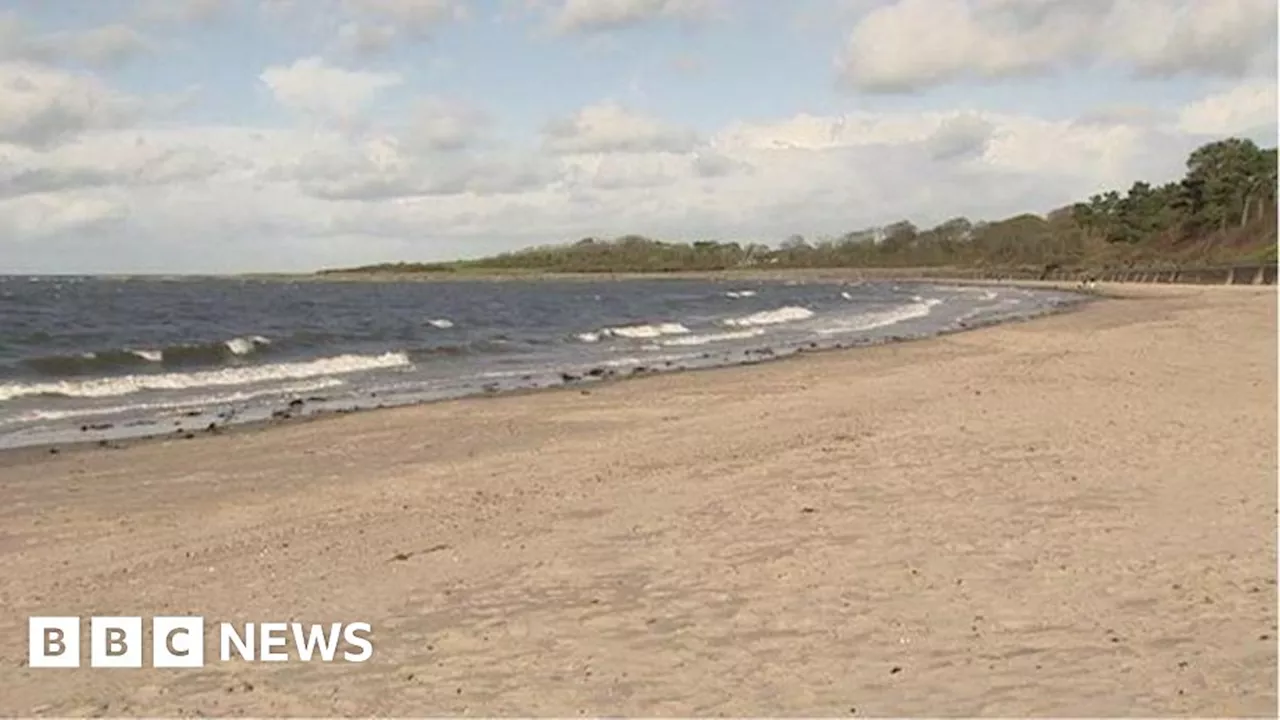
[1074, 516]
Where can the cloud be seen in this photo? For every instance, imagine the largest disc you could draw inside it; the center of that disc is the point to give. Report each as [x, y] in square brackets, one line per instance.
[913, 44]
[610, 128]
[327, 198]
[389, 168]
[414, 16]
[312, 87]
[590, 16]
[366, 38]
[372, 27]
[437, 124]
[42, 107]
[17, 182]
[189, 12]
[369, 166]
[102, 46]
[1245, 109]
[960, 136]
[36, 217]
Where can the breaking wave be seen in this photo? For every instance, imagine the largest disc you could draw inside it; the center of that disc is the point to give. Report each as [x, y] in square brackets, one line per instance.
[248, 375]
[125, 359]
[919, 307]
[694, 340]
[770, 317]
[634, 332]
[198, 401]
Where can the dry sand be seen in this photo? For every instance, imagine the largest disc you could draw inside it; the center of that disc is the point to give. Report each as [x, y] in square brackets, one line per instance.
[1073, 516]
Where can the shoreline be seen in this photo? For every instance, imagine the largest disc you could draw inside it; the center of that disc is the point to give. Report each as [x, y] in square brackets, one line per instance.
[1068, 517]
[25, 454]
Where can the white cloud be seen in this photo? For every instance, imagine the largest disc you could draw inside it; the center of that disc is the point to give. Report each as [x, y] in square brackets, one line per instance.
[90, 182]
[1245, 108]
[327, 198]
[418, 16]
[312, 87]
[41, 106]
[437, 124]
[911, 44]
[365, 27]
[609, 127]
[101, 46]
[34, 217]
[605, 15]
[181, 11]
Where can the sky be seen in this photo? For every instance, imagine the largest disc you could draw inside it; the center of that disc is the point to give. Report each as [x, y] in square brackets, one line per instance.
[214, 136]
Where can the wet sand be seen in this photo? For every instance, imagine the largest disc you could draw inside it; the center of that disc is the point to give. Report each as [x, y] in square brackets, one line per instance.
[1071, 516]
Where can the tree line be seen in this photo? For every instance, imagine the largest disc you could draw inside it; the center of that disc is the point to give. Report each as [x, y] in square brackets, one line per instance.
[1223, 210]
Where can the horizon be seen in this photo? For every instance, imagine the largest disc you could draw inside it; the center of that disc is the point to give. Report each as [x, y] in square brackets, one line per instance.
[256, 137]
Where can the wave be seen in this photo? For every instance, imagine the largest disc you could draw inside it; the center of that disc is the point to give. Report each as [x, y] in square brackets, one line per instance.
[442, 323]
[770, 317]
[740, 293]
[125, 359]
[201, 401]
[246, 345]
[634, 332]
[245, 375]
[474, 347]
[693, 340]
[918, 308]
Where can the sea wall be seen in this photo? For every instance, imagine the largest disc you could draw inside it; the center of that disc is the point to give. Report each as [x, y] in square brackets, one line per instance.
[1213, 275]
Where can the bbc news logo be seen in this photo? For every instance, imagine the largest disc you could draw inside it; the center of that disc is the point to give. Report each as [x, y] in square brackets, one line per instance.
[179, 642]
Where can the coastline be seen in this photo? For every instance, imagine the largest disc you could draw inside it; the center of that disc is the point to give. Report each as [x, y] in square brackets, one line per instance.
[1070, 516]
[205, 427]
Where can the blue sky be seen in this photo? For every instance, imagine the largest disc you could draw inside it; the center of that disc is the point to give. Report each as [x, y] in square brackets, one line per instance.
[231, 135]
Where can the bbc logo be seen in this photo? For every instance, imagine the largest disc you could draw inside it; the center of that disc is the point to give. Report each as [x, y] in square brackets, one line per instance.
[178, 642]
[115, 642]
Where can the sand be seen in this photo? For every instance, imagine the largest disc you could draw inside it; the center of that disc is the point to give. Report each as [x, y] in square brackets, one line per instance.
[1070, 516]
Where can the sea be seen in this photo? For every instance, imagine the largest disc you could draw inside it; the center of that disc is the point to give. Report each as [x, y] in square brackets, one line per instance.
[98, 359]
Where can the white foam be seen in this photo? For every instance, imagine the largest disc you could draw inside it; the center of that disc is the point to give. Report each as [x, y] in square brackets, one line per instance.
[442, 323]
[846, 295]
[882, 318]
[246, 345]
[635, 332]
[195, 402]
[149, 355]
[128, 384]
[692, 340]
[740, 293]
[648, 360]
[771, 317]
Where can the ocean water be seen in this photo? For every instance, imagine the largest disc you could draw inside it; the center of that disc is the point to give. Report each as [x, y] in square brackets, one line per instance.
[90, 359]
